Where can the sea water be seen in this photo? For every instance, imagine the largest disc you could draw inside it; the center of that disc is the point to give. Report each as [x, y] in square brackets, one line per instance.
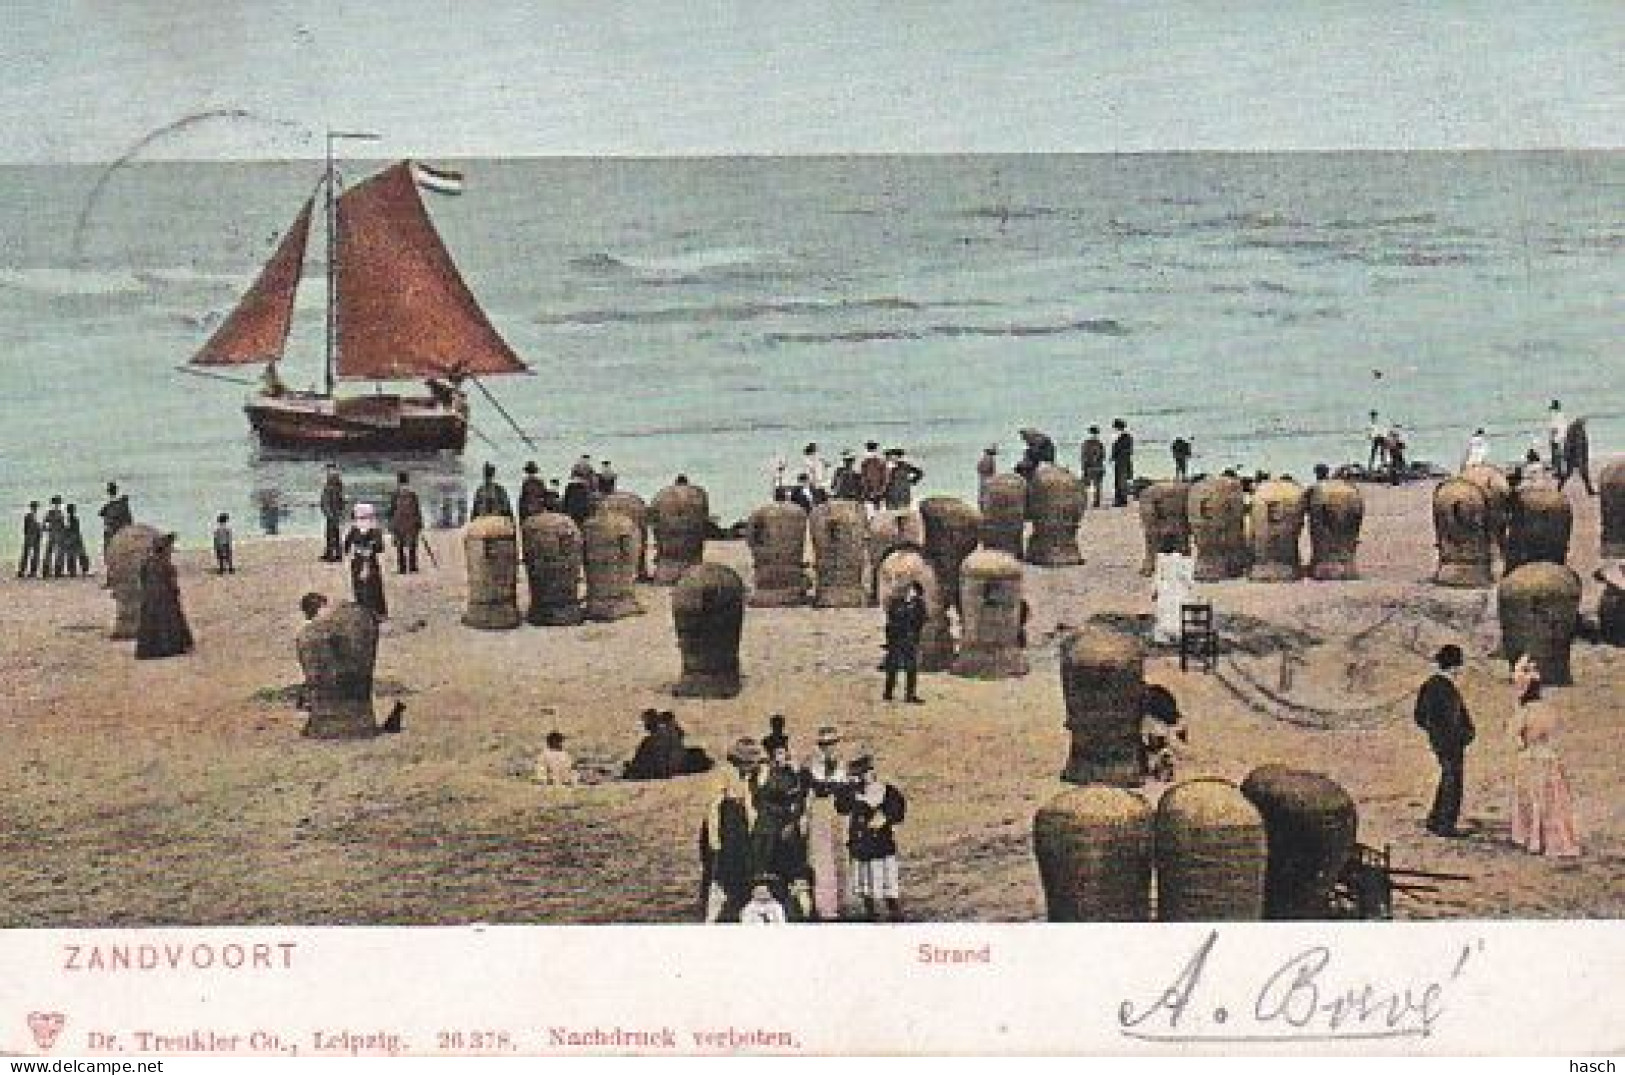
[704, 316]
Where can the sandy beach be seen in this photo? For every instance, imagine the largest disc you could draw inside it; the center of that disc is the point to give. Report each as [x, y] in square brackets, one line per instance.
[180, 791]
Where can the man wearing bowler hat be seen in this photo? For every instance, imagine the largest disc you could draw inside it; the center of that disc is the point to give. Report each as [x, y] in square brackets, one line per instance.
[1441, 712]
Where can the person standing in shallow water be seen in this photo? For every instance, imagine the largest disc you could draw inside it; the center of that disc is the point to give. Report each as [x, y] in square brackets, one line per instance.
[1442, 714]
[332, 514]
[365, 544]
[1181, 451]
[161, 630]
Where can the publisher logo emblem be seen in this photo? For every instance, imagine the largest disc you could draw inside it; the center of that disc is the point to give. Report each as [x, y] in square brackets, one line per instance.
[46, 1026]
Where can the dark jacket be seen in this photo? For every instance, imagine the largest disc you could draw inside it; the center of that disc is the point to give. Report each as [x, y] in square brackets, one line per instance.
[1123, 449]
[490, 499]
[1041, 449]
[905, 619]
[532, 497]
[1441, 713]
[865, 842]
[333, 499]
[116, 515]
[1094, 456]
[900, 483]
[844, 484]
[405, 514]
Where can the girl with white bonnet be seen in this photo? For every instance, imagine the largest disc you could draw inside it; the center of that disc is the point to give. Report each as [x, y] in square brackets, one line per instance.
[365, 544]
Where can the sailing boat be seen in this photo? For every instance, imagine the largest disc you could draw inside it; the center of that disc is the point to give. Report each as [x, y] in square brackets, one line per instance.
[397, 309]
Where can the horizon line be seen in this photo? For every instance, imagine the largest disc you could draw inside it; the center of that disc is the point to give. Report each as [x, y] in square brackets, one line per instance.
[837, 154]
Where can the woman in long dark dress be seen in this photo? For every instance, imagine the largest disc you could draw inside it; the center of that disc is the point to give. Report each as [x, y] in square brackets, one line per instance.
[365, 544]
[162, 630]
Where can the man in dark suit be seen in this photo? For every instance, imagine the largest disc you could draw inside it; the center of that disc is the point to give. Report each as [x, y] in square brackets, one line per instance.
[905, 622]
[1441, 712]
[56, 533]
[332, 515]
[28, 563]
[491, 498]
[1122, 463]
[405, 524]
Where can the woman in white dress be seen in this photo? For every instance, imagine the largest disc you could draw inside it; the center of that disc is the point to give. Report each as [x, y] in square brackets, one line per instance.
[825, 777]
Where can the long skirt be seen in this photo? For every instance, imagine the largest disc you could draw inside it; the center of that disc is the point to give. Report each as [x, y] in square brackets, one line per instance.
[1543, 807]
[828, 860]
[367, 584]
[163, 631]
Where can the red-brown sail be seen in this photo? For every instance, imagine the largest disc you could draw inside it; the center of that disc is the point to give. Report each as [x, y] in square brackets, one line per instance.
[403, 309]
[257, 329]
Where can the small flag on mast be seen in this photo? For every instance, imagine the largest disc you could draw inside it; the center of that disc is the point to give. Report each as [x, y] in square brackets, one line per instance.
[438, 180]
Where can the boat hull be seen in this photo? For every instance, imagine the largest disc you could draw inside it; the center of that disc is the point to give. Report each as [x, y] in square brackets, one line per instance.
[367, 423]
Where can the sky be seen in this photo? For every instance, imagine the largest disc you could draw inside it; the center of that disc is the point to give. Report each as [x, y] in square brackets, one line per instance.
[88, 80]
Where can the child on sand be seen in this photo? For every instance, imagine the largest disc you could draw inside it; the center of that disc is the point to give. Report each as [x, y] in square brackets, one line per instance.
[763, 909]
[554, 765]
[222, 545]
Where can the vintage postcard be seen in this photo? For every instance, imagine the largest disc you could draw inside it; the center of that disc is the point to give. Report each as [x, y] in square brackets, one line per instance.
[1101, 525]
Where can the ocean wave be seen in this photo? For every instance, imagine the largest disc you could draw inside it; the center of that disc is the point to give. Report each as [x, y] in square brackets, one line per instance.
[1103, 326]
[1405, 220]
[1412, 258]
[694, 263]
[72, 283]
[1003, 213]
[730, 311]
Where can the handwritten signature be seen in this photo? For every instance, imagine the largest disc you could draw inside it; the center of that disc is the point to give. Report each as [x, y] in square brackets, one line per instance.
[1302, 999]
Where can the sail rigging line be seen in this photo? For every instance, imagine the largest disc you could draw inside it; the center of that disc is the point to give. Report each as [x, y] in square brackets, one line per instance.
[497, 403]
[480, 433]
[195, 372]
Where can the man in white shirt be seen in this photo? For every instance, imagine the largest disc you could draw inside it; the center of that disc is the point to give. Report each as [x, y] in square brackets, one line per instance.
[1557, 427]
[1478, 449]
[817, 471]
[1377, 435]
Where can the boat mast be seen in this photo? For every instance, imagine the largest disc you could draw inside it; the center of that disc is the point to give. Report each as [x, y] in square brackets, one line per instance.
[332, 246]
